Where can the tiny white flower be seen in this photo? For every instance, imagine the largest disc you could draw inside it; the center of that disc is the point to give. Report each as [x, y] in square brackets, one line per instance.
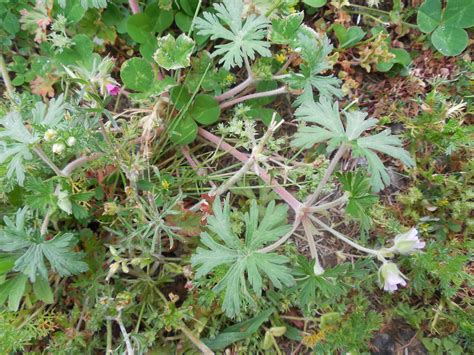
[71, 141]
[407, 243]
[49, 135]
[391, 277]
[58, 148]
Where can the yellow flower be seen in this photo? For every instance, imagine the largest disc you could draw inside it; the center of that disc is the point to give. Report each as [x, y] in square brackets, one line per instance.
[281, 58]
[230, 78]
[165, 184]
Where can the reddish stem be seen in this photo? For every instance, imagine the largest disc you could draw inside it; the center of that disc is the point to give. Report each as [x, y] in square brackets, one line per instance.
[134, 6]
[281, 191]
[256, 95]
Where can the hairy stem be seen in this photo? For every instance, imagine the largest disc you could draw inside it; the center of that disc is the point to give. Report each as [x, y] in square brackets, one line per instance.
[48, 161]
[283, 239]
[332, 165]
[326, 206]
[196, 341]
[6, 77]
[125, 335]
[235, 90]
[344, 238]
[69, 168]
[230, 103]
[219, 143]
[251, 161]
[309, 232]
[134, 6]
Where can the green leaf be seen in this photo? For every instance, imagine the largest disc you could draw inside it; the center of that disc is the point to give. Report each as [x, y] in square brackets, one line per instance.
[348, 37]
[239, 331]
[184, 131]
[11, 23]
[205, 109]
[459, 13]
[402, 57]
[17, 287]
[284, 29]
[264, 114]
[360, 198]
[81, 51]
[315, 3]
[328, 127]
[450, 41]
[180, 96]
[43, 291]
[33, 249]
[314, 51]
[246, 265]
[245, 37]
[161, 18]
[137, 74]
[429, 15]
[174, 53]
[183, 21]
[140, 27]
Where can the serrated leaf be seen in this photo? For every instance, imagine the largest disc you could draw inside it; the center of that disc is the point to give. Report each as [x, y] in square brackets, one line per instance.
[245, 36]
[42, 290]
[328, 127]
[246, 265]
[174, 53]
[284, 29]
[32, 250]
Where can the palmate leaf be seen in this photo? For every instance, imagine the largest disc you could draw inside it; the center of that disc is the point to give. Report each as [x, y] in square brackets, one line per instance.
[14, 145]
[32, 250]
[314, 50]
[246, 265]
[49, 115]
[246, 37]
[328, 127]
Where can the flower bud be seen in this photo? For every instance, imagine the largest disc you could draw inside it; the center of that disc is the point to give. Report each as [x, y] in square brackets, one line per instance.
[58, 148]
[112, 89]
[407, 243]
[391, 277]
[71, 141]
[49, 135]
[318, 269]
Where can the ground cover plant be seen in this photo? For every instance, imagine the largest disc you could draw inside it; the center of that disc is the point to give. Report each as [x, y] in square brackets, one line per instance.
[236, 176]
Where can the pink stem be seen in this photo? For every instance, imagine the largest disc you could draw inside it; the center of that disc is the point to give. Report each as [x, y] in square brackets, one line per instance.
[282, 192]
[257, 95]
[235, 90]
[134, 6]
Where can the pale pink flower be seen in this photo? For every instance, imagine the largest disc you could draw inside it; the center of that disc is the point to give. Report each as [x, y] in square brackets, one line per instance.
[391, 277]
[407, 243]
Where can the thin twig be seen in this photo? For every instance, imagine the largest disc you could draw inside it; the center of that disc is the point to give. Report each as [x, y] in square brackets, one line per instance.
[196, 341]
[48, 161]
[125, 335]
[332, 165]
[6, 77]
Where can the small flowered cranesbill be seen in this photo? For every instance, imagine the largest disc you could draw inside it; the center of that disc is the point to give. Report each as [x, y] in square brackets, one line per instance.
[407, 243]
[391, 277]
[112, 89]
